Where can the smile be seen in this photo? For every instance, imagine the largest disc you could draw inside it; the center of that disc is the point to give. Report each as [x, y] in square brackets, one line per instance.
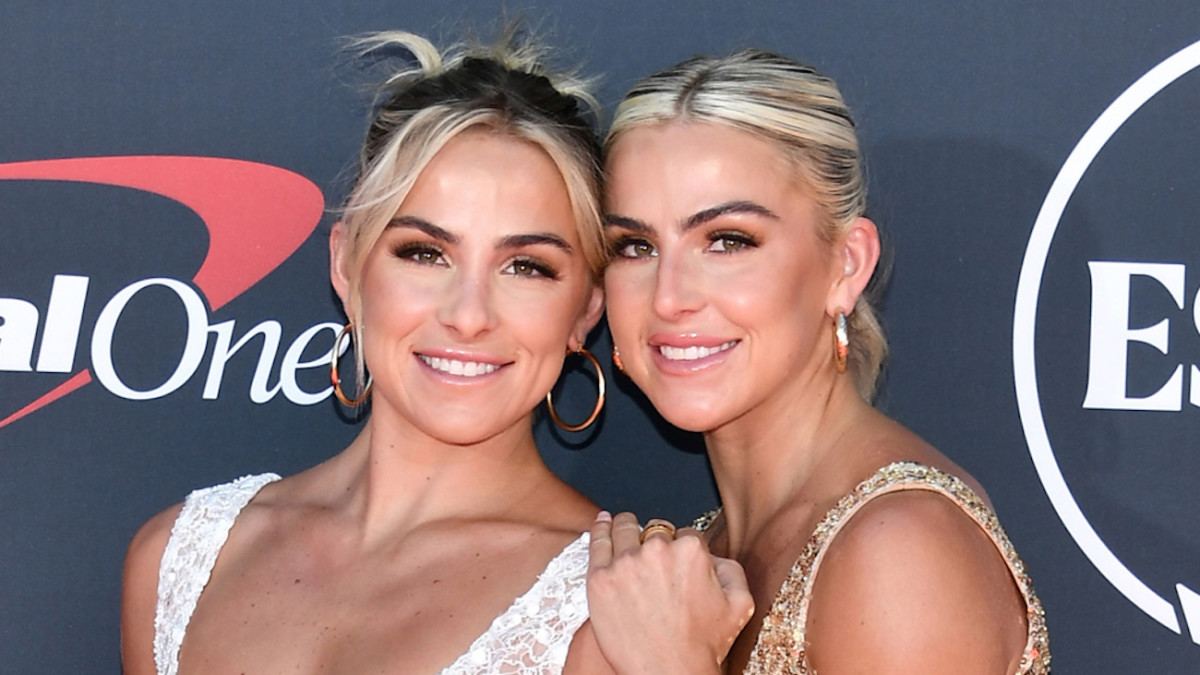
[459, 368]
[692, 353]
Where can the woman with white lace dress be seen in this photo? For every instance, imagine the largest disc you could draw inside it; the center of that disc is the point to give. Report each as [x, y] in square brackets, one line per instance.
[467, 261]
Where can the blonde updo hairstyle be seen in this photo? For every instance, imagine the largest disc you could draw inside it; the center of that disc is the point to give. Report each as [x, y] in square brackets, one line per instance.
[505, 88]
[802, 113]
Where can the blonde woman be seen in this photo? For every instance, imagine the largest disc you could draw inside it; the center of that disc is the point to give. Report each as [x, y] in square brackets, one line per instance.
[468, 262]
[737, 303]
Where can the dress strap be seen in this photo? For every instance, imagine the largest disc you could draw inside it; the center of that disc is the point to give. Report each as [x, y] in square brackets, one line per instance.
[781, 645]
[197, 536]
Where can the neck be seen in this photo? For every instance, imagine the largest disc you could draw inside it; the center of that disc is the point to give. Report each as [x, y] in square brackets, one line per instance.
[395, 478]
[765, 460]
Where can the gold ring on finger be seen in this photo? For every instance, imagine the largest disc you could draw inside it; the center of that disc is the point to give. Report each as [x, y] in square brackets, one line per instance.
[654, 528]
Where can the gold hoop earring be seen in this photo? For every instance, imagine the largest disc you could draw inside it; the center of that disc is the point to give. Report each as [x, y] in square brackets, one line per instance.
[617, 359]
[599, 400]
[841, 341]
[337, 381]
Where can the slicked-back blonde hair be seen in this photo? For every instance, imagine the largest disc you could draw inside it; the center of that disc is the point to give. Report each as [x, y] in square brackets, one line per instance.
[800, 112]
[505, 88]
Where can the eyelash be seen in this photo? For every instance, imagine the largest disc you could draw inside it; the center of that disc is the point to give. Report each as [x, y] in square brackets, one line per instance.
[741, 239]
[619, 245]
[539, 267]
[533, 267]
[411, 252]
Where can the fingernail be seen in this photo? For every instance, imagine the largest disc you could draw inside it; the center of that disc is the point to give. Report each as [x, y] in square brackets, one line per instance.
[604, 516]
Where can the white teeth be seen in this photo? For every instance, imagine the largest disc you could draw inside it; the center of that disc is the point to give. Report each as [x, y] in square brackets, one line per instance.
[692, 353]
[460, 368]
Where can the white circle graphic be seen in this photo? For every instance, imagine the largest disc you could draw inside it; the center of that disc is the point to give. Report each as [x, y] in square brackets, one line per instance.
[1025, 319]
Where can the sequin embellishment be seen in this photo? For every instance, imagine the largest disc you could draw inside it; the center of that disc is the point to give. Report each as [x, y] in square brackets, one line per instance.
[781, 648]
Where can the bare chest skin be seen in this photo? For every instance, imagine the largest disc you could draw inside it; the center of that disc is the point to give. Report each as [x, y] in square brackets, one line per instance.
[767, 563]
[293, 593]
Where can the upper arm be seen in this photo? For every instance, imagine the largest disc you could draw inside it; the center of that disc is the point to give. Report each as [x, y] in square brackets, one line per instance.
[913, 585]
[584, 656]
[139, 592]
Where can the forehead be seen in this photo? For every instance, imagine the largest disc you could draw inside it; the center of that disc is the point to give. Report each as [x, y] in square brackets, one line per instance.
[482, 176]
[691, 166]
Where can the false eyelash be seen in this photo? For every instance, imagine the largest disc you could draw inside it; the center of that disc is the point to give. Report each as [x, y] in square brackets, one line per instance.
[740, 237]
[538, 266]
[615, 247]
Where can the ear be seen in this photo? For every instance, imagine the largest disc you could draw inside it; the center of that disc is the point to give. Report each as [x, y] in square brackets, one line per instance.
[588, 319]
[857, 254]
[337, 264]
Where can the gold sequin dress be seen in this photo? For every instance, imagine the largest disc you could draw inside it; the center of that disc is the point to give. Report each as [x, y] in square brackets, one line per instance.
[781, 647]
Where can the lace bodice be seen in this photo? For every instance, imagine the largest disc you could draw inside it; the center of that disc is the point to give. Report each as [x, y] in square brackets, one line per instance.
[531, 637]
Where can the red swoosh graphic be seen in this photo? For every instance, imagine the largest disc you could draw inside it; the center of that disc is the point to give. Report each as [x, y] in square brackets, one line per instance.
[257, 215]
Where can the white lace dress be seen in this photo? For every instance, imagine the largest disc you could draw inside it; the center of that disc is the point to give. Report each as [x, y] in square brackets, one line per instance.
[531, 637]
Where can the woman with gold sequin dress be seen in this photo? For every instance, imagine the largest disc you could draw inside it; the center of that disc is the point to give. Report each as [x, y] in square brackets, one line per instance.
[738, 300]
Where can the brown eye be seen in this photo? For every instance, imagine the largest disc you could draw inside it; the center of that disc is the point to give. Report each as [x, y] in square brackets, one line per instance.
[526, 267]
[422, 254]
[634, 248]
[730, 242]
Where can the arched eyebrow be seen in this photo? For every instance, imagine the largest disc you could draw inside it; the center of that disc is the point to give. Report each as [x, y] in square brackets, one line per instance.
[737, 206]
[740, 206]
[535, 239]
[613, 220]
[412, 222]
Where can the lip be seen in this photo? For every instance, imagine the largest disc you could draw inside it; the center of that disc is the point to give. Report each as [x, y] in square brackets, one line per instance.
[458, 366]
[678, 361]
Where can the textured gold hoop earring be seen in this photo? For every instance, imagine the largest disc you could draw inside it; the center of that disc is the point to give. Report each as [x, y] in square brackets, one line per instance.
[337, 381]
[599, 400]
[841, 341]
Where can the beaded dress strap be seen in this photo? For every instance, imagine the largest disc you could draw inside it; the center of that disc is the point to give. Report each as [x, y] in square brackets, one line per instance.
[196, 539]
[781, 645]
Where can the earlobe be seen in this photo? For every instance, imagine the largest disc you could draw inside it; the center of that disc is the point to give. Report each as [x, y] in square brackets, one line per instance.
[858, 251]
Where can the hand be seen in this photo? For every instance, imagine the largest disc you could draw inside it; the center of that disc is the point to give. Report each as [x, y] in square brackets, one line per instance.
[665, 605]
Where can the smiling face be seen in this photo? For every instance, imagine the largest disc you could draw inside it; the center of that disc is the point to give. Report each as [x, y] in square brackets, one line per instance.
[721, 292]
[474, 292]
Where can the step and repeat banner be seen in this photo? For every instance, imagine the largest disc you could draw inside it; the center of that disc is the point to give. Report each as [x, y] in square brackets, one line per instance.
[169, 173]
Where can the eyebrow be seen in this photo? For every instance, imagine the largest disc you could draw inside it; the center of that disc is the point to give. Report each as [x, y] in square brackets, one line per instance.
[535, 239]
[613, 220]
[425, 226]
[739, 206]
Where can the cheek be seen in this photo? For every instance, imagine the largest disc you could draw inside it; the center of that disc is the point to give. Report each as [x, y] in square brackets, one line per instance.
[627, 293]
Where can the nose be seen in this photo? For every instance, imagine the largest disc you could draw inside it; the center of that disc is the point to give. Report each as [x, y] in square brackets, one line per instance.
[678, 288]
[467, 309]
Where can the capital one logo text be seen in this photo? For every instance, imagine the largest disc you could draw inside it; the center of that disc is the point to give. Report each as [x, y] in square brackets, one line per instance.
[60, 338]
[256, 215]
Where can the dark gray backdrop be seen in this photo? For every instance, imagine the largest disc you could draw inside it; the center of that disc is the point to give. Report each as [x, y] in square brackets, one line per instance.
[967, 112]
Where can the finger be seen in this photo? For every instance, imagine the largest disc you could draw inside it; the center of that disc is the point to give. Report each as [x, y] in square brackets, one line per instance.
[733, 582]
[657, 528]
[689, 532]
[732, 578]
[600, 548]
[625, 534]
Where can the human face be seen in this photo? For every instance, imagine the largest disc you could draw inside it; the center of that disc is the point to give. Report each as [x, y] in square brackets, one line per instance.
[474, 292]
[719, 287]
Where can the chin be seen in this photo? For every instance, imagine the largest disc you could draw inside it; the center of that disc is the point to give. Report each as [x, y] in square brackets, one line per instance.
[691, 417]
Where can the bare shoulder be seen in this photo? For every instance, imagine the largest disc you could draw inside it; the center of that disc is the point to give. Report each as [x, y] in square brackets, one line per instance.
[139, 595]
[913, 584]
